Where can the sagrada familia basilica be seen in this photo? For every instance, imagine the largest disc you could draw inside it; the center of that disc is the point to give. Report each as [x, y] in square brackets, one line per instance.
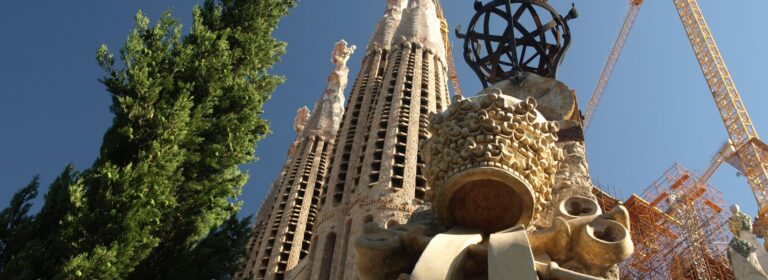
[403, 181]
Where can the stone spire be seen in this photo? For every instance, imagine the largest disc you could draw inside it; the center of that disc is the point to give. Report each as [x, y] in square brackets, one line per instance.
[376, 174]
[330, 108]
[261, 221]
[420, 24]
[387, 26]
[284, 227]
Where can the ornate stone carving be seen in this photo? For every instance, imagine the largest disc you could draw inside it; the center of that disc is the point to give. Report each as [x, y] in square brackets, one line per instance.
[502, 149]
[341, 54]
[328, 111]
[302, 115]
[491, 161]
[583, 239]
[299, 122]
[385, 29]
[582, 243]
[419, 26]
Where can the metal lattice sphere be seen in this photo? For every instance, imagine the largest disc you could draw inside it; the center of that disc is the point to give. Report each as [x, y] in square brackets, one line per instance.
[506, 37]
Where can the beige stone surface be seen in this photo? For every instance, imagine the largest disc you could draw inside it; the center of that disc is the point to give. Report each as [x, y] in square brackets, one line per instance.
[557, 101]
[745, 268]
[437, 261]
[385, 254]
[572, 179]
[510, 256]
[387, 25]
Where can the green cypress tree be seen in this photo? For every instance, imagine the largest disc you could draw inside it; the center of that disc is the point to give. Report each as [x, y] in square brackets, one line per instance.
[218, 255]
[16, 222]
[162, 196]
[46, 245]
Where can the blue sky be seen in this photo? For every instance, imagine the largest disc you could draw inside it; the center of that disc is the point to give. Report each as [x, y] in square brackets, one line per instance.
[657, 108]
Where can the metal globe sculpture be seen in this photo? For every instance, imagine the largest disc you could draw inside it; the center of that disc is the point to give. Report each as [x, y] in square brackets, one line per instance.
[507, 37]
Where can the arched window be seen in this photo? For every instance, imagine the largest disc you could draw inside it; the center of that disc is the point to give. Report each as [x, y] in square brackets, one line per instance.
[327, 260]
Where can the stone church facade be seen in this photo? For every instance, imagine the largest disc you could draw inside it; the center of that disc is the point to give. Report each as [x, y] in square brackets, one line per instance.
[374, 189]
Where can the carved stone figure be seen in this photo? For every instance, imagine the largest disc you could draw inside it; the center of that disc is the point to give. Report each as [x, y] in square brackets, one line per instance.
[341, 54]
[745, 254]
[302, 116]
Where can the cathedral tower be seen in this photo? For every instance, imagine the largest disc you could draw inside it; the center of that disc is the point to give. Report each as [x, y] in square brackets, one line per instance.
[283, 232]
[376, 174]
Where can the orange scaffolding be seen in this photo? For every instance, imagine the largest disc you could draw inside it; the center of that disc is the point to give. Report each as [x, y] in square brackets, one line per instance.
[679, 228]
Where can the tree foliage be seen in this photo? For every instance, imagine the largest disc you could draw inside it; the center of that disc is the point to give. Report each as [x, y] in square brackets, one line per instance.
[15, 221]
[160, 200]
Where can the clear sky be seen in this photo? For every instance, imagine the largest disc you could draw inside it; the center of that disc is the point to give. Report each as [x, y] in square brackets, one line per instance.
[657, 108]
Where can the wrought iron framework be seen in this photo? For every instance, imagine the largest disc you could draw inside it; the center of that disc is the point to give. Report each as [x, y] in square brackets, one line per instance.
[534, 39]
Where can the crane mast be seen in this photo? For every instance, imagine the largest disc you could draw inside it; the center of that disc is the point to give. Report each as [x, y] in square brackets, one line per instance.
[750, 151]
[452, 76]
[605, 75]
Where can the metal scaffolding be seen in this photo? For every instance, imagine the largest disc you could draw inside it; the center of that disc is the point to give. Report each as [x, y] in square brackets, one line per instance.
[679, 228]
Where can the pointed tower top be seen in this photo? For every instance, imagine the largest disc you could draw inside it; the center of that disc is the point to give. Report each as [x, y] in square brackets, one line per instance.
[387, 26]
[329, 109]
[421, 25]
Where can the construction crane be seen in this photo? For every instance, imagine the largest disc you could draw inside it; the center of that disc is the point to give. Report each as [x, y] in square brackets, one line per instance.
[452, 76]
[725, 154]
[751, 152]
[605, 75]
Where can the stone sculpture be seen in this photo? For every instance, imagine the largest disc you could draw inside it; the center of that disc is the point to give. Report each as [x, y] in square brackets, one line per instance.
[745, 254]
[341, 54]
[302, 115]
[330, 107]
[299, 122]
[503, 150]
[491, 161]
